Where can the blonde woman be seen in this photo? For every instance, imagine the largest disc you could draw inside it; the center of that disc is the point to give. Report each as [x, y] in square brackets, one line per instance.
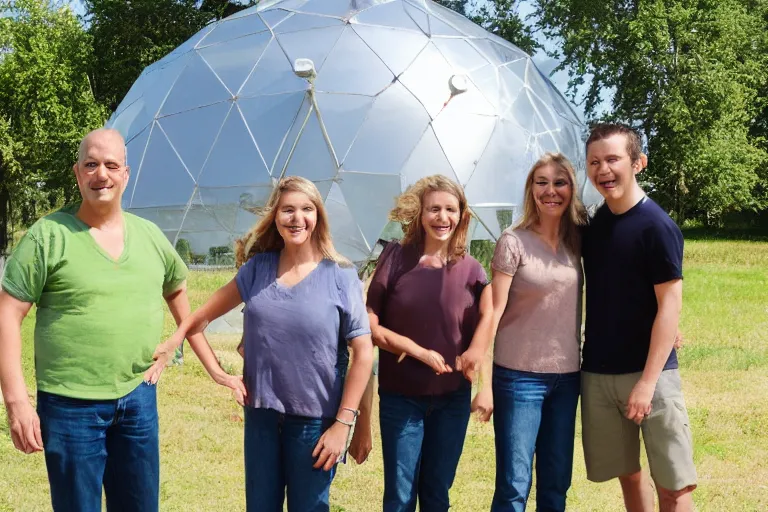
[537, 283]
[430, 310]
[303, 309]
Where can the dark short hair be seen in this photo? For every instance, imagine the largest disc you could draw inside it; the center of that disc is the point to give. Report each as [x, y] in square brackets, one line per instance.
[602, 131]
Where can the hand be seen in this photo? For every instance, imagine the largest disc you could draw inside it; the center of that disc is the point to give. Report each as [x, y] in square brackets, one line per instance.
[235, 383]
[639, 403]
[163, 353]
[362, 443]
[330, 446]
[25, 426]
[482, 405]
[469, 363]
[435, 361]
[679, 340]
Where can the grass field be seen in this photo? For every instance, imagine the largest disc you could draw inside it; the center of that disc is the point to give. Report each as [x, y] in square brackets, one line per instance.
[724, 366]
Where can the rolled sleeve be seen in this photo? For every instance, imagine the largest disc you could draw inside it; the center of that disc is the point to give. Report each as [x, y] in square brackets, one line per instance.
[26, 270]
[354, 321]
[176, 271]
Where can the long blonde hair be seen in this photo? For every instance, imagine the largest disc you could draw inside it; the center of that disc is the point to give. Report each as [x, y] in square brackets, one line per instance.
[264, 236]
[575, 216]
[410, 204]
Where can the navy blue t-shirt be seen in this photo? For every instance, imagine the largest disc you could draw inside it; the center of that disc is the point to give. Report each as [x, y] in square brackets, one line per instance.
[624, 257]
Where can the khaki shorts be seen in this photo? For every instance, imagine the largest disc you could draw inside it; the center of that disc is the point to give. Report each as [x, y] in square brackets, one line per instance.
[612, 442]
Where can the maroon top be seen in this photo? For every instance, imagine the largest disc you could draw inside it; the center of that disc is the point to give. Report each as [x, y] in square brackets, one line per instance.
[438, 308]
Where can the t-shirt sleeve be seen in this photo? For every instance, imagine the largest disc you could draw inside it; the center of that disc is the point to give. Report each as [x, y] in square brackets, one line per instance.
[377, 290]
[245, 276]
[507, 255]
[26, 271]
[479, 280]
[354, 317]
[175, 269]
[666, 253]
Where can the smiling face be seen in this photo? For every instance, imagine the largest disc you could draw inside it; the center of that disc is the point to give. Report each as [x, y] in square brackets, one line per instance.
[611, 169]
[551, 190]
[101, 170]
[440, 215]
[295, 218]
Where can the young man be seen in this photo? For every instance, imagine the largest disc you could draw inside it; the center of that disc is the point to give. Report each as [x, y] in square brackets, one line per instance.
[633, 255]
[98, 277]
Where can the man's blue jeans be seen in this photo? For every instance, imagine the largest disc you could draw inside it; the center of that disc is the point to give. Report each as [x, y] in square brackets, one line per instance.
[90, 443]
[421, 439]
[278, 455]
[533, 412]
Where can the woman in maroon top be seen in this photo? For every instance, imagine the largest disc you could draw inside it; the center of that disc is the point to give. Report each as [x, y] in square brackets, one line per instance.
[429, 309]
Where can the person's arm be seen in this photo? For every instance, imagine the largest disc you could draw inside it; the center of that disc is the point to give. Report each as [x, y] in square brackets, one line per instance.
[472, 359]
[333, 441]
[483, 401]
[22, 418]
[669, 297]
[221, 302]
[178, 304]
[482, 404]
[362, 438]
[402, 346]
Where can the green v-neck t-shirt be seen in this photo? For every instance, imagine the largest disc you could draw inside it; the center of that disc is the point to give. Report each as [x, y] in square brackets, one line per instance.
[99, 319]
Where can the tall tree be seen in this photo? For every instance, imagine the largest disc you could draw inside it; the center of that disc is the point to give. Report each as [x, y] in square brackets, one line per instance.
[687, 74]
[46, 105]
[129, 36]
[501, 17]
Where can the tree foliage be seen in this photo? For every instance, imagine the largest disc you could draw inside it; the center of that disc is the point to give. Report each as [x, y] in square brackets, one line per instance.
[129, 36]
[688, 74]
[46, 106]
[499, 17]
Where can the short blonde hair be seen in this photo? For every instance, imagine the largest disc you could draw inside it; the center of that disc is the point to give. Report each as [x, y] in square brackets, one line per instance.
[575, 216]
[264, 236]
[409, 207]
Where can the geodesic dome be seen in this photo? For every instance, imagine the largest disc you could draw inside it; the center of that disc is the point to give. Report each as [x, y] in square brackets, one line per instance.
[363, 97]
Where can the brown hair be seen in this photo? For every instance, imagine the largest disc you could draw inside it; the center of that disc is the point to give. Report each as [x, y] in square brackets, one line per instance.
[264, 237]
[409, 207]
[575, 216]
[602, 131]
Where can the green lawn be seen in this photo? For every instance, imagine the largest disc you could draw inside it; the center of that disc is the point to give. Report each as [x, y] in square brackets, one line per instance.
[724, 366]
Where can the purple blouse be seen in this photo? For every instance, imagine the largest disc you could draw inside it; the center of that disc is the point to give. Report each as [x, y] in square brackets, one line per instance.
[296, 337]
[438, 308]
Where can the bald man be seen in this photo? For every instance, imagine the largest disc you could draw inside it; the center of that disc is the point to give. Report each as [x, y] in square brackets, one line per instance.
[98, 276]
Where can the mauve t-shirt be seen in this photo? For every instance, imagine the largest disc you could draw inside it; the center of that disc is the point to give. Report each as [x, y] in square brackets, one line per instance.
[295, 337]
[438, 308]
[540, 329]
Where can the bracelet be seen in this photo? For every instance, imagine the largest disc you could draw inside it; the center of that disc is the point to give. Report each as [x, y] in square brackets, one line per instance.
[350, 424]
[355, 412]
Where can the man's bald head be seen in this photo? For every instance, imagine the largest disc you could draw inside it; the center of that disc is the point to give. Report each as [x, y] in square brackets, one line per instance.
[103, 136]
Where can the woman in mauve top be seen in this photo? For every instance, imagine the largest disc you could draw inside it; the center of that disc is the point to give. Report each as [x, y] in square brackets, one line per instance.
[428, 311]
[303, 308]
[537, 283]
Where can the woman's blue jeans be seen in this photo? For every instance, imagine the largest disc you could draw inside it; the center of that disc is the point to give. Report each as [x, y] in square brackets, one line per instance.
[533, 413]
[278, 461]
[421, 439]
